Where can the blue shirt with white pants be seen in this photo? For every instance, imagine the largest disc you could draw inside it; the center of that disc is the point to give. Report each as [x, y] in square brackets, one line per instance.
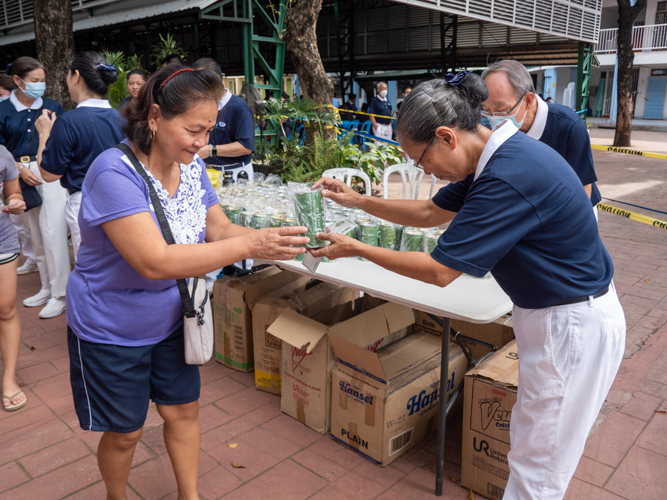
[77, 138]
[235, 124]
[526, 218]
[381, 106]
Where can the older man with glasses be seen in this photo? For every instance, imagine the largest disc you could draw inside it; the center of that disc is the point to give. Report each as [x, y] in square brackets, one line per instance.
[512, 97]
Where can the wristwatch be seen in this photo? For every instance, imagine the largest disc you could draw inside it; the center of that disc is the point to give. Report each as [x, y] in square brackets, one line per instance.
[215, 150]
[21, 167]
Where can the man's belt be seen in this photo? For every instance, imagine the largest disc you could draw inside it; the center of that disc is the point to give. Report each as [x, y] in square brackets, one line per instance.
[25, 159]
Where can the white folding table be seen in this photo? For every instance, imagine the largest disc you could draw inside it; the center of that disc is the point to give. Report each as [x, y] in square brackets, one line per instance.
[467, 298]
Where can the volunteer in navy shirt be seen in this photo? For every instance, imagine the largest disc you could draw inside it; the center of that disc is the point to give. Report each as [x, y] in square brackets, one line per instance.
[46, 223]
[232, 142]
[526, 218]
[380, 105]
[69, 144]
[512, 96]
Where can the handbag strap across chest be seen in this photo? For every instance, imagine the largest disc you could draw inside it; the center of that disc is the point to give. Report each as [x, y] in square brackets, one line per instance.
[188, 308]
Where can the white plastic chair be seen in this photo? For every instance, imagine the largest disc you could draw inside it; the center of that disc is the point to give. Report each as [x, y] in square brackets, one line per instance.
[414, 176]
[346, 175]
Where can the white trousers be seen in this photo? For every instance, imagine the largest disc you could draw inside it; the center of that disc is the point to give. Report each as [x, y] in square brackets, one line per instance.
[382, 131]
[24, 236]
[247, 168]
[72, 217]
[568, 359]
[48, 230]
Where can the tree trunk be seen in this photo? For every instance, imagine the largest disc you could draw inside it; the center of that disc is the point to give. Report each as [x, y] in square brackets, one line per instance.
[301, 41]
[626, 16]
[55, 46]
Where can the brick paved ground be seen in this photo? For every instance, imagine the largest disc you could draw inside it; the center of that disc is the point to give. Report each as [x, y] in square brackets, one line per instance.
[45, 455]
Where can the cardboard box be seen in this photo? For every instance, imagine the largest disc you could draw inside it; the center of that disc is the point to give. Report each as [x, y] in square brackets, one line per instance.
[489, 394]
[383, 403]
[233, 299]
[307, 359]
[499, 333]
[308, 298]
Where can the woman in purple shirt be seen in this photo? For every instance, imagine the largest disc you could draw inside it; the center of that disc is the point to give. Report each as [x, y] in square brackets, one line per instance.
[124, 311]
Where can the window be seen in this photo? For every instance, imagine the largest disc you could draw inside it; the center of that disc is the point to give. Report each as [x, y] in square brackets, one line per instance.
[661, 13]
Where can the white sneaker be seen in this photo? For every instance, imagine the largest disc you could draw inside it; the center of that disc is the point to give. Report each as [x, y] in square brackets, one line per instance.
[29, 266]
[37, 300]
[54, 307]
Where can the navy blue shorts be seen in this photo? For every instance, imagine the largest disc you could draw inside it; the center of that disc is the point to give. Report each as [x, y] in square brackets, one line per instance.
[112, 384]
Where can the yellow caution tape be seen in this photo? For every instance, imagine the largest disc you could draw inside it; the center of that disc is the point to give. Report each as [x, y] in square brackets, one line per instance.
[629, 151]
[343, 110]
[633, 215]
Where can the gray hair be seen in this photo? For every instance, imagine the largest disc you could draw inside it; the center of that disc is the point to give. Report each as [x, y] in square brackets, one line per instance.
[436, 103]
[517, 74]
[378, 85]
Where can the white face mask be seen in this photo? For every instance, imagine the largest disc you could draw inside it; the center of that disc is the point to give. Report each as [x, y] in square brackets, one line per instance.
[383, 93]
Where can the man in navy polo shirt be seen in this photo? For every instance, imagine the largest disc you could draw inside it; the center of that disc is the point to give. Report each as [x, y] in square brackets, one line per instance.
[512, 96]
[380, 105]
[232, 142]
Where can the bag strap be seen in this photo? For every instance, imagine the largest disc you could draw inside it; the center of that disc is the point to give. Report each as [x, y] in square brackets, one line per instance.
[188, 307]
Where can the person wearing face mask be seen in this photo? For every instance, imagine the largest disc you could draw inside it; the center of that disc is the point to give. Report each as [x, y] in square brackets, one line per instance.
[526, 218]
[46, 223]
[69, 144]
[135, 80]
[512, 97]
[380, 105]
[124, 312]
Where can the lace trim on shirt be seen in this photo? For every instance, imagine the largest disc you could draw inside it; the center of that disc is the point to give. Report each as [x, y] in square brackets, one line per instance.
[186, 212]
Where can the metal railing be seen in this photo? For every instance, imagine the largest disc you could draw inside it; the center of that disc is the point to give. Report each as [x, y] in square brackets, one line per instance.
[644, 38]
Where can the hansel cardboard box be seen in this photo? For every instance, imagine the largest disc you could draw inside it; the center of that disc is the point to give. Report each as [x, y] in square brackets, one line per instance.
[233, 298]
[490, 393]
[308, 360]
[308, 301]
[499, 333]
[383, 403]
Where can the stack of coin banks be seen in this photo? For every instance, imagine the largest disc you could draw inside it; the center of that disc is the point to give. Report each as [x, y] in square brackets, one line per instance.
[266, 202]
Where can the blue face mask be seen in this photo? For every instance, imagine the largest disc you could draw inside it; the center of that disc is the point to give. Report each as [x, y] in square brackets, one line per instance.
[34, 89]
[496, 120]
[4, 98]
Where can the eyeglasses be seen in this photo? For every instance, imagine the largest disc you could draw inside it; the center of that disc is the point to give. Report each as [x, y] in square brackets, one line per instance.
[419, 163]
[503, 114]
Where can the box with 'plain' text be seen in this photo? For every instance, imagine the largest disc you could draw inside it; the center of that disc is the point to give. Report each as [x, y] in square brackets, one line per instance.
[384, 403]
